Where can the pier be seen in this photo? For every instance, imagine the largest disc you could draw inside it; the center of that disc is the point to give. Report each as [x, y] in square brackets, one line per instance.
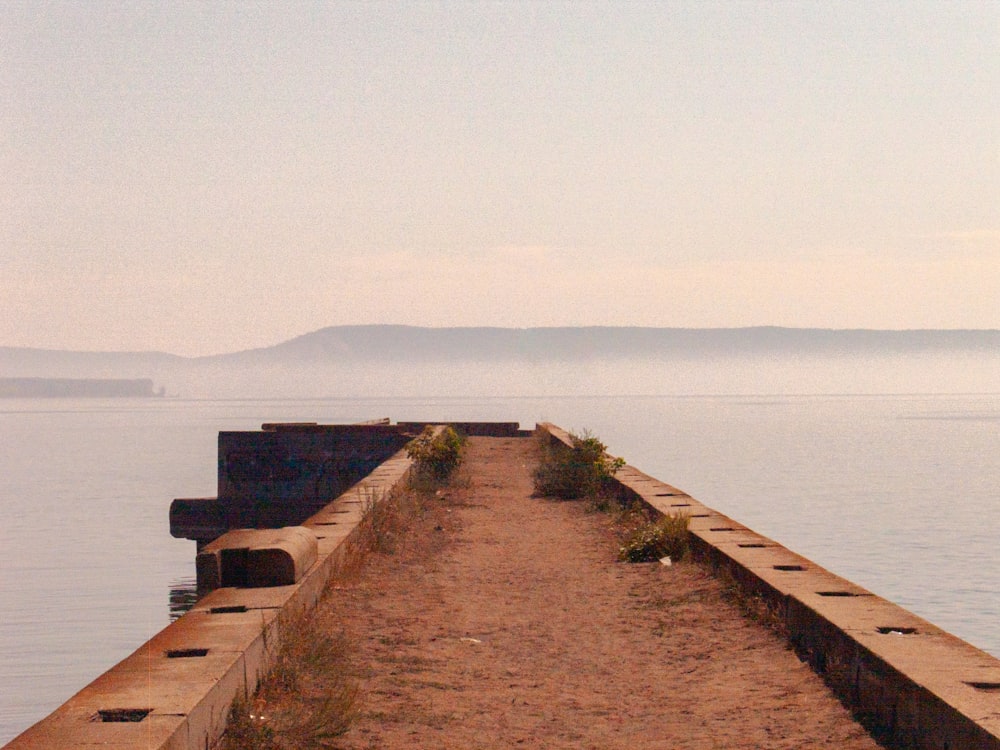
[613, 673]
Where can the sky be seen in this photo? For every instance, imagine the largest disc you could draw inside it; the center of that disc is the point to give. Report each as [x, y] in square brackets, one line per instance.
[205, 177]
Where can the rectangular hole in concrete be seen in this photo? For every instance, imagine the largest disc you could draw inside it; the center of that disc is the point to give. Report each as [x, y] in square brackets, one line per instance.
[722, 528]
[227, 610]
[791, 568]
[186, 653]
[122, 714]
[894, 630]
[839, 593]
[325, 523]
[680, 505]
[988, 686]
[701, 515]
[753, 545]
[666, 494]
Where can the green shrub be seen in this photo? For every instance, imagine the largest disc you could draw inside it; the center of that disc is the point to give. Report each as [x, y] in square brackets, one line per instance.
[582, 470]
[435, 457]
[665, 537]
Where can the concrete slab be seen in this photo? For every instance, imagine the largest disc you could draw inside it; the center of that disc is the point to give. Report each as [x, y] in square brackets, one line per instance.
[66, 730]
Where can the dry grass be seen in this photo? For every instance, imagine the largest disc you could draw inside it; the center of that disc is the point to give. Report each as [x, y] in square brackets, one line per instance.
[309, 698]
[379, 530]
[753, 604]
[306, 701]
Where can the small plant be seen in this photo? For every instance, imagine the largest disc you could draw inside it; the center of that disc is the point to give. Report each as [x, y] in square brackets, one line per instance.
[583, 470]
[306, 701]
[386, 519]
[245, 730]
[653, 540]
[435, 456]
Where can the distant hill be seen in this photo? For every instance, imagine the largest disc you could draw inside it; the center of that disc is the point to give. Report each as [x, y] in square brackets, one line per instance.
[396, 343]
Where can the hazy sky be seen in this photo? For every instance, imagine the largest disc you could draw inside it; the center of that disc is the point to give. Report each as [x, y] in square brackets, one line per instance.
[200, 177]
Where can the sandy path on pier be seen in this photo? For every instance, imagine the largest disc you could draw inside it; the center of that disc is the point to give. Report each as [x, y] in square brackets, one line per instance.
[507, 622]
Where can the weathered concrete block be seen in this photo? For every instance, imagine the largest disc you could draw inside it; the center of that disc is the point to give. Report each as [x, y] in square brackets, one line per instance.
[199, 518]
[281, 476]
[256, 558]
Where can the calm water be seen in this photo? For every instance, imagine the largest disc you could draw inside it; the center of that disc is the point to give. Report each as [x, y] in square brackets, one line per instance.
[896, 492]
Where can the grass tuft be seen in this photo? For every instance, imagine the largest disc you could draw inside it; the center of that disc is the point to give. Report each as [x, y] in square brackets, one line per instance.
[306, 701]
[386, 518]
[666, 536]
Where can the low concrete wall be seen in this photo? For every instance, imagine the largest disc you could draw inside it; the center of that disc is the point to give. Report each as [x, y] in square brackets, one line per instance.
[913, 684]
[254, 558]
[175, 691]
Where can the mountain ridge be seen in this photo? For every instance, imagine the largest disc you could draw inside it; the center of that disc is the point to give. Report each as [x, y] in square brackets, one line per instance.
[400, 341]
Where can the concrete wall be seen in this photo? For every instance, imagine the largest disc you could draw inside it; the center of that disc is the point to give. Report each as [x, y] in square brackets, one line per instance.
[281, 475]
[911, 683]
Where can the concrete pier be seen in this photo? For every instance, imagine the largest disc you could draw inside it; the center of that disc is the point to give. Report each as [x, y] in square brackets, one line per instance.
[924, 687]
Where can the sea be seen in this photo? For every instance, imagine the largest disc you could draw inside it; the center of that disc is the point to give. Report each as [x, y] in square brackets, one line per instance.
[884, 469]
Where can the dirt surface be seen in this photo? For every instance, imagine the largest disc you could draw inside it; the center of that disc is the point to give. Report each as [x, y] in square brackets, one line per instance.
[508, 622]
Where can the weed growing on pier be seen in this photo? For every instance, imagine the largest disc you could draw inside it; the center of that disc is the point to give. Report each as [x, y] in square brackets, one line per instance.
[583, 470]
[245, 729]
[665, 537]
[306, 700]
[435, 454]
[386, 519]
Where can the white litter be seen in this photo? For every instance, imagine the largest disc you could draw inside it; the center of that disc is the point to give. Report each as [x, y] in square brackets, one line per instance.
[470, 640]
[665, 561]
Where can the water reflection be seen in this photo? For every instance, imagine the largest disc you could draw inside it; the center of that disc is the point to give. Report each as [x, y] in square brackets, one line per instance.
[183, 595]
